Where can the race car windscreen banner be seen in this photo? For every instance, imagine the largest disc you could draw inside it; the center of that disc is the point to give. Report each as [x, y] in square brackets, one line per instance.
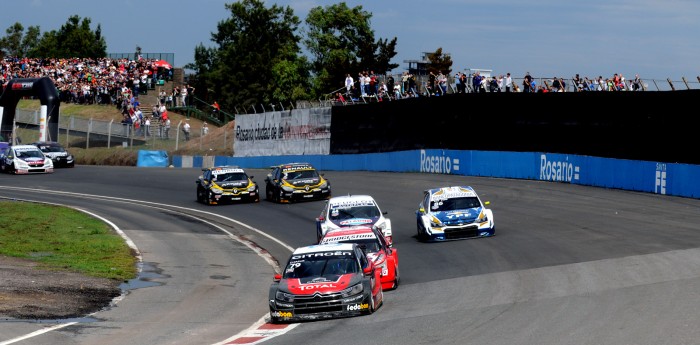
[281, 133]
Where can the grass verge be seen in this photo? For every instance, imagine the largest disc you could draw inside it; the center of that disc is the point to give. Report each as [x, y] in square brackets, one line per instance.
[61, 238]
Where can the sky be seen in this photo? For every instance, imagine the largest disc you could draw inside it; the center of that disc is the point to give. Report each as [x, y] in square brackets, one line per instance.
[656, 39]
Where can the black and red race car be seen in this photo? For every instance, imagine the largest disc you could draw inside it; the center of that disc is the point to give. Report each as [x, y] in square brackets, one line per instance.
[325, 281]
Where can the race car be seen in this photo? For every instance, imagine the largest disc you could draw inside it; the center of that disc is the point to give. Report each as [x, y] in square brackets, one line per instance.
[58, 154]
[325, 281]
[25, 159]
[226, 184]
[452, 213]
[351, 210]
[372, 242]
[296, 182]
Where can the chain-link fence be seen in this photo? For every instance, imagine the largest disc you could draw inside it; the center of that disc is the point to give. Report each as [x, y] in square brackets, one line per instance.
[88, 133]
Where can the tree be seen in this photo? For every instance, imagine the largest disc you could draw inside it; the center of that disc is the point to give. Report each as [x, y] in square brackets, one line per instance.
[341, 41]
[17, 43]
[256, 59]
[439, 62]
[75, 38]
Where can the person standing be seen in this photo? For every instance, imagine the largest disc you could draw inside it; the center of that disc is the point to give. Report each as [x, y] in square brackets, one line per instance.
[363, 87]
[186, 130]
[216, 111]
[636, 83]
[162, 96]
[166, 128]
[190, 94]
[183, 96]
[390, 85]
[527, 83]
[147, 127]
[508, 81]
[205, 129]
[431, 83]
[462, 83]
[176, 97]
[442, 83]
[169, 100]
[348, 83]
[476, 81]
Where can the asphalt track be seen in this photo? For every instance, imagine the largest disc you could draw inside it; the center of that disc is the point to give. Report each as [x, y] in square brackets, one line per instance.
[568, 265]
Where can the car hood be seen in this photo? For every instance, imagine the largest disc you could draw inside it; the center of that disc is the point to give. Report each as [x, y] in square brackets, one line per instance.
[456, 217]
[56, 154]
[232, 184]
[355, 221]
[322, 285]
[33, 161]
[304, 181]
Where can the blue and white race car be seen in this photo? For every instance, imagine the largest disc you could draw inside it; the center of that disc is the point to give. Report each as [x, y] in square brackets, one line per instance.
[453, 213]
[352, 210]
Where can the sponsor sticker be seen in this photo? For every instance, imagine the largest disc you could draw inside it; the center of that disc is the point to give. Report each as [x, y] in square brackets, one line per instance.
[282, 313]
[360, 306]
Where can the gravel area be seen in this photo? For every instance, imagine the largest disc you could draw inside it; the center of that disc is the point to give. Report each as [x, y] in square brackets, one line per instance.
[27, 292]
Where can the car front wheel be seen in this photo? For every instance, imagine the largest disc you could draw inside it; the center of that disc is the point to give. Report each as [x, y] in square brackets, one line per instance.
[200, 196]
[397, 278]
[421, 236]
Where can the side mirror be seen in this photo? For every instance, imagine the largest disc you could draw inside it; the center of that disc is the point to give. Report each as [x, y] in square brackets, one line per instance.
[385, 212]
[251, 177]
[277, 278]
[369, 270]
[421, 210]
[487, 203]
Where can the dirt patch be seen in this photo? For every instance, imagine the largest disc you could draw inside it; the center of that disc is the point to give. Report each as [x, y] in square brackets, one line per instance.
[27, 292]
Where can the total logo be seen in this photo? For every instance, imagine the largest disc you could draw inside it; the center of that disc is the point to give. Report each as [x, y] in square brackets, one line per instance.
[355, 307]
[438, 164]
[558, 170]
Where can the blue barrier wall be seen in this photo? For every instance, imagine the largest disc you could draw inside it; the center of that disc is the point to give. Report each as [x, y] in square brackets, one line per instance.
[652, 177]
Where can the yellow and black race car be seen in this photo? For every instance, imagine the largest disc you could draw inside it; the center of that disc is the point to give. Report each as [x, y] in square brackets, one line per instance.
[296, 182]
[226, 184]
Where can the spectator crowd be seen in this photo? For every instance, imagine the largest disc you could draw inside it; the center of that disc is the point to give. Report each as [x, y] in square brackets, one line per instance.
[369, 85]
[106, 81]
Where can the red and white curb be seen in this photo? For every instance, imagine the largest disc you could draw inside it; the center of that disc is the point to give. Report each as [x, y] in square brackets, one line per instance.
[259, 332]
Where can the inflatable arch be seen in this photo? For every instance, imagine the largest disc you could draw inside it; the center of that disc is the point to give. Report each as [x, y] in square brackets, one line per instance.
[45, 90]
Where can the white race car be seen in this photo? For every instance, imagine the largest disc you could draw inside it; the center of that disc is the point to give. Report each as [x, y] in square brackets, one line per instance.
[352, 210]
[25, 159]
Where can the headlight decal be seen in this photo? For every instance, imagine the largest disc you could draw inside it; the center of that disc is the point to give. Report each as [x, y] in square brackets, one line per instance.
[353, 290]
[283, 296]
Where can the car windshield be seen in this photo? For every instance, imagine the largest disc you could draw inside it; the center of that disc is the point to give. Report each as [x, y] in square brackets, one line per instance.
[321, 267]
[339, 214]
[29, 154]
[454, 204]
[47, 148]
[299, 174]
[230, 177]
[369, 245]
